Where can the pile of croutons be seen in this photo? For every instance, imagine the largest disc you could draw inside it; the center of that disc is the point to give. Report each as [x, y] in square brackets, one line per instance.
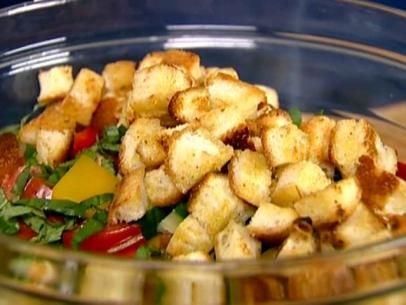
[252, 179]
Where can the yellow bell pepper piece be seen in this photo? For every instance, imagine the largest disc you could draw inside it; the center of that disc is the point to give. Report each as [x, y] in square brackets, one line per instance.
[85, 179]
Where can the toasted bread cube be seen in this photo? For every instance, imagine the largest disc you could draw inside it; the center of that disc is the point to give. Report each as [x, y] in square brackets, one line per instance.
[300, 241]
[160, 189]
[28, 133]
[297, 180]
[226, 91]
[141, 146]
[318, 129]
[84, 96]
[271, 95]
[130, 202]
[118, 77]
[189, 105]
[214, 204]
[271, 223]
[271, 118]
[331, 205]
[54, 84]
[197, 256]
[351, 139]
[165, 136]
[187, 61]
[283, 145]
[212, 72]
[153, 88]
[234, 242]
[192, 154]
[360, 228]
[190, 236]
[53, 146]
[250, 177]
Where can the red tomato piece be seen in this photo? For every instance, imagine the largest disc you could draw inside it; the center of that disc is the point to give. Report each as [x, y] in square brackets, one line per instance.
[83, 139]
[37, 188]
[9, 181]
[26, 232]
[401, 173]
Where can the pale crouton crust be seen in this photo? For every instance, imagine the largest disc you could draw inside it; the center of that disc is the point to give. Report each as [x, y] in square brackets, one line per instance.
[234, 242]
[153, 88]
[212, 72]
[192, 154]
[271, 95]
[250, 177]
[130, 202]
[53, 146]
[118, 77]
[286, 144]
[160, 189]
[55, 84]
[272, 223]
[331, 205]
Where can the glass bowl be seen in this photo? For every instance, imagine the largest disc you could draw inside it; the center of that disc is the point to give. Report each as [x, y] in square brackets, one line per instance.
[346, 57]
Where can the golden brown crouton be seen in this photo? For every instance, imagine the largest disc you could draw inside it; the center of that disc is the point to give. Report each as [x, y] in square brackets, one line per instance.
[351, 139]
[55, 84]
[192, 154]
[212, 72]
[331, 205]
[187, 61]
[286, 144]
[249, 176]
[234, 242]
[118, 77]
[53, 146]
[297, 180]
[189, 105]
[300, 241]
[214, 204]
[153, 88]
[271, 223]
[84, 96]
[190, 236]
[360, 228]
[271, 118]
[271, 95]
[130, 202]
[318, 129]
[141, 146]
[160, 189]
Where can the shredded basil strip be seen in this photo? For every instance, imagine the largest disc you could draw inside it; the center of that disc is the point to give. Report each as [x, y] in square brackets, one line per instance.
[22, 180]
[111, 134]
[3, 199]
[12, 211]
[9, 226]
[181, 210]
[296, 116]
[149, 223]
[114, 147]
[47, 232]
[143, 252]
[108, 164]
[97, 200]
[65, 207]
[30, 154]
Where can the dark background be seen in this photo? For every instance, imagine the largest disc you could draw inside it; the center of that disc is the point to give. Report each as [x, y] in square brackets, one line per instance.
[395, 3]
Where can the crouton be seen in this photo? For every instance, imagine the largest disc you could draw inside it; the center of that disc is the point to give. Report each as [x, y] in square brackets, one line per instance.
[360, 228]
[271, 95]
[130, 202]
[300, 241]
[226, 91]
[297, 180]
[214, 204]
[153, 88]
[53, 146]
[331, 205]
[197, 256]
[189, 105]
[187, 61]
[141, 146]
[271, 223]
[84, 96]
[271, 119]
[165, 135]
[249, 176]
[106, 114]
[190, 236]
[234, 242]
[286, 144]
[382, 192]
[54, 84]
[351, 139]
[318, 129]
[160, 189]
[118, 77]
[192, 154]
[212, 72]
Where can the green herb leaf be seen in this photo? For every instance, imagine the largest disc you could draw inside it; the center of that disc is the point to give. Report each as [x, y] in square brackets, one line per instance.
[181, 210]
[97, 200]
[65, 207]
[90, 227]
[296, 116]
[47, 232]
[149, 223]
[12, 211]
[113, 147]
[108, 164]
[321, 112]
[3, 199]
[9, 226]
[111, 134]
[30, 154]
[143, 252]
[21, 182]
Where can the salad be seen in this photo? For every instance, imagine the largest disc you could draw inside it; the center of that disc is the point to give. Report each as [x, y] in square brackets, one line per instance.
[168, 159]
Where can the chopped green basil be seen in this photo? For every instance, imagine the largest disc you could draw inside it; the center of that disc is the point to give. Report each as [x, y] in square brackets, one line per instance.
[181, 210]
[143, 252]
[47, 232]
[21, 182]
[149, 223]
[111, 134]
[108, 164]
[30, 154]
[10, 211]
[113, 147]
[9, 226]
[296, 116]
[97, 200]
[65, 207]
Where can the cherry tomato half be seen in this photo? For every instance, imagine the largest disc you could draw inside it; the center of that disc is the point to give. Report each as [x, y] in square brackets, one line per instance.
[401, 173]
[83, 139]
[122, 239]
[37, 188]
[26, 232]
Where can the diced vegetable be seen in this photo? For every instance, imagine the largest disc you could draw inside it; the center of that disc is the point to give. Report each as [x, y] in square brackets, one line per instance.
[20, 183]
[84, 180]
[143, 252]
[170, 223]
[401, 173]
[37, 188]
[26, 232]
[84, 139]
